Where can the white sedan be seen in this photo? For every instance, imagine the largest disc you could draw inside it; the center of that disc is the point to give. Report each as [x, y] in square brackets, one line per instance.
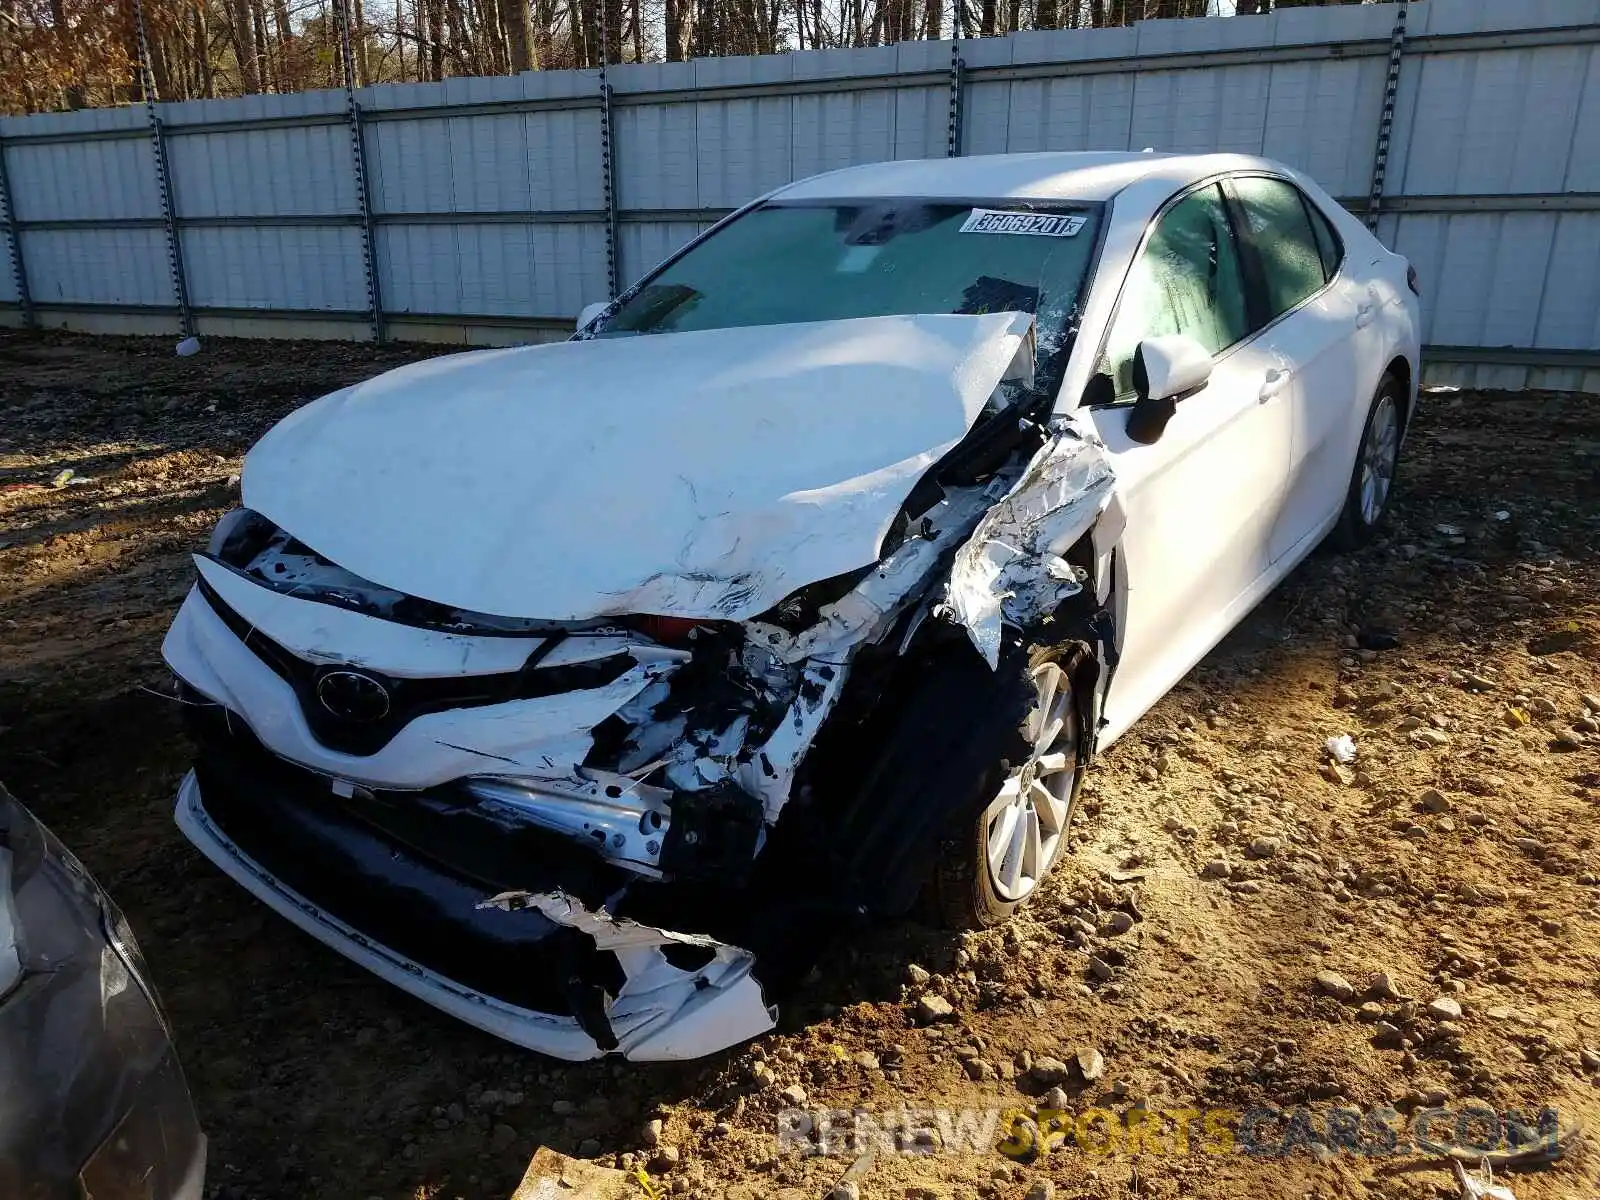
[586, 691]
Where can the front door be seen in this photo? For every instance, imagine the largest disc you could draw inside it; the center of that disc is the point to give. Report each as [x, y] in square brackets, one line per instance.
[1202, 501]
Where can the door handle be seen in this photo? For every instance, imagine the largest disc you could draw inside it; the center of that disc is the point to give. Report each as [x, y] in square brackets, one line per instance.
[1277, 378]
[1365, 312]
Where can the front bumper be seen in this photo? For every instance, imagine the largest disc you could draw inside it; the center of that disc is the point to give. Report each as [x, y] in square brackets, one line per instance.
[573, 987]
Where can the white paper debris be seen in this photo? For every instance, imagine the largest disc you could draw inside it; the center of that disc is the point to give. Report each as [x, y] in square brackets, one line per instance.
[1342, 749]
[189, 346]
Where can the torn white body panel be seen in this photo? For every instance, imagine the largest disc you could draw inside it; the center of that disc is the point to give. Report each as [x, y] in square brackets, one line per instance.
[663, 1012]
[323, 633]
[597, 477]
[540, 736]
[1012, 569]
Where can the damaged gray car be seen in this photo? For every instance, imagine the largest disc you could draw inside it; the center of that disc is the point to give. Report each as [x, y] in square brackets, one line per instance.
[587, 691]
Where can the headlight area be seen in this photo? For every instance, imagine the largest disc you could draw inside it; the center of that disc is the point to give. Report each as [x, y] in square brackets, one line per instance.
[21, 852]
[10, 953]
[239, 536]
[156, 1151]
[95, 1100]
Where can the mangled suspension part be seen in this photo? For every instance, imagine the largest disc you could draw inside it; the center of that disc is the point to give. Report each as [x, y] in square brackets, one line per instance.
[675, 995]
[769, 772]
[1013, 569]
[865, 613]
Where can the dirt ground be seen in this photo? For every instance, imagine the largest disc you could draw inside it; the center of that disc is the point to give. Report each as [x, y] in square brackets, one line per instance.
[1221, 861]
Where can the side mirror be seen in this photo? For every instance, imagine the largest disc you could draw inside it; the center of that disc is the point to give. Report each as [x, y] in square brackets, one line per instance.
[589, 313]
[1166, 370]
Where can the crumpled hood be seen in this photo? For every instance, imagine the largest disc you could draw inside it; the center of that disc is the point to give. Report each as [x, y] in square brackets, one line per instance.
[704, 474]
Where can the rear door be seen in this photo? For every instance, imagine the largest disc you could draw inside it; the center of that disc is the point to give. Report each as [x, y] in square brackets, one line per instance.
[1314, 312]
[1202, 501]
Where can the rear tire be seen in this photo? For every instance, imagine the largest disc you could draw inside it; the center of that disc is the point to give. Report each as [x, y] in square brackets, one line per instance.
[1372, 477]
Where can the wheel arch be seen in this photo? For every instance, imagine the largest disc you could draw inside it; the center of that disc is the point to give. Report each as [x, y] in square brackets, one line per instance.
[1401, 368]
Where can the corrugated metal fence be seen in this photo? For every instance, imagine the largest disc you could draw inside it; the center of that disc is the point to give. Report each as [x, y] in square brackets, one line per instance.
[494, 208]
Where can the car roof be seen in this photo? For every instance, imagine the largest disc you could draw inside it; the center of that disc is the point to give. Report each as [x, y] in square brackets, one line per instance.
[1075, 175]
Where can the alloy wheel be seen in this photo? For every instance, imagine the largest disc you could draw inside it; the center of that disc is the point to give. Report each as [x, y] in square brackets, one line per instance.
[1026, 824]
[1379, 453]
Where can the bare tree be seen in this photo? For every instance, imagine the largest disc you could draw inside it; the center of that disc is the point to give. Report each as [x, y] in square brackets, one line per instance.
[74, 53]
[244, 45]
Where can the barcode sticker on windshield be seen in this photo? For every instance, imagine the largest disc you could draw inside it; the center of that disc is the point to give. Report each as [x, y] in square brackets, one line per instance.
[1028, 224]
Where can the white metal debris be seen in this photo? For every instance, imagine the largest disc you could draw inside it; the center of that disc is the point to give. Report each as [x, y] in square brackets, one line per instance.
[707, 756]
[1480, 1185]
[1011, 568]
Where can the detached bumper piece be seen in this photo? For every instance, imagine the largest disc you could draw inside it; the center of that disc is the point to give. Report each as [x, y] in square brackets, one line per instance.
[511, 936]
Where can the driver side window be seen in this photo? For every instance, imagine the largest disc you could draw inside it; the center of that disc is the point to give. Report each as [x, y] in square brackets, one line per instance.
[1186, 280]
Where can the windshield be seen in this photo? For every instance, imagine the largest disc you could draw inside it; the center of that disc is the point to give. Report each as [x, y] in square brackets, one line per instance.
[786, 263]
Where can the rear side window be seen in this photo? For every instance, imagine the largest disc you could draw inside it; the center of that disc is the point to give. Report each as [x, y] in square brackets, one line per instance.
[1278, 228]
[1186, 280]
[1328, 244]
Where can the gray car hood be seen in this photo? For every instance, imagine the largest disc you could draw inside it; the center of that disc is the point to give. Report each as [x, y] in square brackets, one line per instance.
[704, 474]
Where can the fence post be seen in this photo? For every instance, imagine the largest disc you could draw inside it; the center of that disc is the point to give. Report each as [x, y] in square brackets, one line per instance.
[608, 163]
[19, 270]
[958, 82]
[358, 162]
[1391, 85]
[158, 150]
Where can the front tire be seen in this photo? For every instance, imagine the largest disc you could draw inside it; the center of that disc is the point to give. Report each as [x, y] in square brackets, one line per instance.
[992, 863]
[1372, 478]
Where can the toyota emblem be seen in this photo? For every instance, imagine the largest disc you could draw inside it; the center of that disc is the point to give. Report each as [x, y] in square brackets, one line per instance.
[353, 696]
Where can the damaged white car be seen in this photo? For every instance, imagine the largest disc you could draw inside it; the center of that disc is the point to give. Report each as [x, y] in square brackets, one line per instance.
[587, 690]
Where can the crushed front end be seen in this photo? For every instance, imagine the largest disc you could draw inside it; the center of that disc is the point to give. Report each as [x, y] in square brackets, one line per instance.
[377, 774]
[621, 833]
[378, 768]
